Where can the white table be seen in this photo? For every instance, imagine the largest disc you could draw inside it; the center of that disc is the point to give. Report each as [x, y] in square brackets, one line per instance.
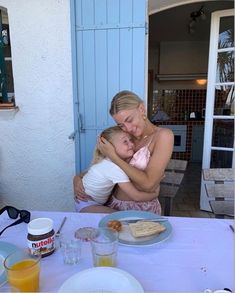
[198, 255]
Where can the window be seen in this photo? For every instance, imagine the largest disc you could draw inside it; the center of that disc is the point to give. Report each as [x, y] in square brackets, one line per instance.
[7, 99]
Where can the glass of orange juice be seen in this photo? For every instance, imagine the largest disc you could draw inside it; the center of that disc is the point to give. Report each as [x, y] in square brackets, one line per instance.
[23, 271]
[104, 248]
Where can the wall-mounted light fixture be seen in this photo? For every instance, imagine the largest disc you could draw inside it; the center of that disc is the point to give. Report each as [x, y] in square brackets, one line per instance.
[201, 81]
[195, 16]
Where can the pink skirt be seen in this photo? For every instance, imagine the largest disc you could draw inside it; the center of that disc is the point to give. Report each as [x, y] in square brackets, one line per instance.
[153, 205]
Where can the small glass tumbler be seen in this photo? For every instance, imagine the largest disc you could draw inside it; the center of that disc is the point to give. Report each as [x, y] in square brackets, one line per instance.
[23, 270]
[104, 248]
[71, 249]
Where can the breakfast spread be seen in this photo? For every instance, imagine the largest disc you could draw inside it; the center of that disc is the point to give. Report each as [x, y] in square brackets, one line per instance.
[141, 228]
[146, 228]
[115, 225]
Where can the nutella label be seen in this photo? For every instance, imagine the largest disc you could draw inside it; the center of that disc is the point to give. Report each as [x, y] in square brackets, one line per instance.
[42, 246]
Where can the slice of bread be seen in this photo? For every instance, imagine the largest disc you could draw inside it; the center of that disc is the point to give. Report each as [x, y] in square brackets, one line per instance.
[146, 228]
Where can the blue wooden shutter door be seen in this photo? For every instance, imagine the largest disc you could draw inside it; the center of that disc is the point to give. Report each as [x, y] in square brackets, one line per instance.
[110, 56]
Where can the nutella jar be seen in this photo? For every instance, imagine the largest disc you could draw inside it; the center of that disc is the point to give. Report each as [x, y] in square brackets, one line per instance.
[41, 237]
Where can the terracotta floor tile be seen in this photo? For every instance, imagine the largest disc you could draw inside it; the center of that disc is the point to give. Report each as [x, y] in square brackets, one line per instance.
[187, 199]
[181, 214]
[200, 214]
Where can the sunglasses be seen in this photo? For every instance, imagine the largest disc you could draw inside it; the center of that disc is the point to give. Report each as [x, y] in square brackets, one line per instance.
[13, 213]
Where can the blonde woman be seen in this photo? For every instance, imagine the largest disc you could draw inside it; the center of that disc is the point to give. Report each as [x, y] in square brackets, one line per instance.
[151, 142]
[103, 174]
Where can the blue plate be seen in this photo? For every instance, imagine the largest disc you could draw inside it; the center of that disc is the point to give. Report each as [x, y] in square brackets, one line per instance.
[125, 236]
[6, 248]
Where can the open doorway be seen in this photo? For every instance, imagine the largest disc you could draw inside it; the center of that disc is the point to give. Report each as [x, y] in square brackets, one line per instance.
[178, 61]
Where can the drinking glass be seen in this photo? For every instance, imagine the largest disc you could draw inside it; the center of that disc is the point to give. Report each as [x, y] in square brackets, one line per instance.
[71, 249]
[23, 270]
[104, 248]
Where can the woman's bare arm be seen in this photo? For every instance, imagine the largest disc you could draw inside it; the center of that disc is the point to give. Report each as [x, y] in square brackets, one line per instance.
[134, 194]
[150, 178]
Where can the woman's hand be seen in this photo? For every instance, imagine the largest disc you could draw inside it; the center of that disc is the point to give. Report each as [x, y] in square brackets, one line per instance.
[106, 148]
[79, 192]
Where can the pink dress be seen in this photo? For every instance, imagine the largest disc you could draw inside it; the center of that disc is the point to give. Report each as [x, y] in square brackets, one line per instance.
[140, 160]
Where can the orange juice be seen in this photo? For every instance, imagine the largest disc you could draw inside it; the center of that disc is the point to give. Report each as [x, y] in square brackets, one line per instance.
[24, 275]
[105, 261]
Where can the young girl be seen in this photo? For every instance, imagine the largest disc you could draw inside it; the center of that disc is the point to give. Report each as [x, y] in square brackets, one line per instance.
[104, 174]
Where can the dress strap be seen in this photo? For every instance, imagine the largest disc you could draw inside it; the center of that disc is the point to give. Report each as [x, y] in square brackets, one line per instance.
[148, 144]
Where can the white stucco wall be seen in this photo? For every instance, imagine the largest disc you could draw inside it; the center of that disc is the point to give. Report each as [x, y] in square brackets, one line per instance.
[37, 160]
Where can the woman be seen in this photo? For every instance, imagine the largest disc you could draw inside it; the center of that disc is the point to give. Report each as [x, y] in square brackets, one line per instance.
[152, 142]
[103, 175]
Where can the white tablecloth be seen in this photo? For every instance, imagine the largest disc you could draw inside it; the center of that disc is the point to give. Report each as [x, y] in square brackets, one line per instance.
[198, 255]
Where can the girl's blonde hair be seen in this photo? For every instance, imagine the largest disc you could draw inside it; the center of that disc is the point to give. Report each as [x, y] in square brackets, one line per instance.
[108, 134]
[124, 100]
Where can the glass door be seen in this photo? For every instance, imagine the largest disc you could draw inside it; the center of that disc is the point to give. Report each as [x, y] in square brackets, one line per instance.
[218, 149]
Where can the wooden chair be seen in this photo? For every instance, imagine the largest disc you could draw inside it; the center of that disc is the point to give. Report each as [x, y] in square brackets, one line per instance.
[219, 185]
[171, 182]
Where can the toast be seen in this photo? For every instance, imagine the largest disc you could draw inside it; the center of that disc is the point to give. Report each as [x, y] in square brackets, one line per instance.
[146, 228]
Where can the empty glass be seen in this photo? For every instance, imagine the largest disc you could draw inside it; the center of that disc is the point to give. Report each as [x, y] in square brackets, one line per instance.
[70, 248]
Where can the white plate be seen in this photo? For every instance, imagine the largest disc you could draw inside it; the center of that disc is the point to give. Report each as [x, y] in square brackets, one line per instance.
[101, 279]
[5, 249]
[125, 236]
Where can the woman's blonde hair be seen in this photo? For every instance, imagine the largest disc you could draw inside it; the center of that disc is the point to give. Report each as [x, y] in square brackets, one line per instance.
[124, 100]
[108, 134]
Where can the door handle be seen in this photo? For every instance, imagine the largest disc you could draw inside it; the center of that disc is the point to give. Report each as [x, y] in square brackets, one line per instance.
[72, 135]
[81, 128]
